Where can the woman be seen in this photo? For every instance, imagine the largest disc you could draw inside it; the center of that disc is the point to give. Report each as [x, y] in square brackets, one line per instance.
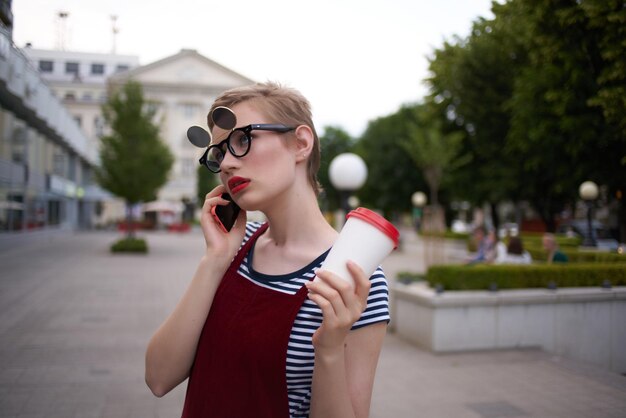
[254, 334]
[514, 253]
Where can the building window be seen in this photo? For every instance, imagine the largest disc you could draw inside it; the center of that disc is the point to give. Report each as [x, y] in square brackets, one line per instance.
[87, 175]
[58, 164]
[188, 167]
[87, 96]
[18, 149]
[54, 212]
[70, 96]
[98, 125]
[71, 68]
[97, 69]
[46, 66]
[189, 110]
[79, 120]
[121, 67]
[152, 107]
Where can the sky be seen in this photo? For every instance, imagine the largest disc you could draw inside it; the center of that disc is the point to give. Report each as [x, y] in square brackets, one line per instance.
[355, 60]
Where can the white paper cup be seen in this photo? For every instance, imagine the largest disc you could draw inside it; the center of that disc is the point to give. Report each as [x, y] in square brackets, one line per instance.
[366, 238]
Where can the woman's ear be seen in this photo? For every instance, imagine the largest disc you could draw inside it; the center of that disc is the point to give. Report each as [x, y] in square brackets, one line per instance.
[304, 142]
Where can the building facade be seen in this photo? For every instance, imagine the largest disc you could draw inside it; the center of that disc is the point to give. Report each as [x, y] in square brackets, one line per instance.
[79, 81]
[182, 87]
[46, 164]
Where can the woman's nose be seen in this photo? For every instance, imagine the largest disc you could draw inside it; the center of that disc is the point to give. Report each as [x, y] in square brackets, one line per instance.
[229, 162]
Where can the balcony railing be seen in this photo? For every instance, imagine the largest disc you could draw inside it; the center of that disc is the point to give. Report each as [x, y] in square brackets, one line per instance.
[24, 93]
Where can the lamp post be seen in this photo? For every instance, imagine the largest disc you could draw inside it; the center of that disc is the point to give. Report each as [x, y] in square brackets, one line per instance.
[347, 173]
[419, 200]
[588, 191]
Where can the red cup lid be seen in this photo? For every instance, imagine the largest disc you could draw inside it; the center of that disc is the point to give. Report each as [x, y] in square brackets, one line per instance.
[378, 221]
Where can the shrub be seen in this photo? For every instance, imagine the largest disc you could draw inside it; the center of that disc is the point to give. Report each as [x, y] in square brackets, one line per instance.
[407, 277]
[130, 245]
[534, 239]
[575, 256]
[448, 234]
[482, 277]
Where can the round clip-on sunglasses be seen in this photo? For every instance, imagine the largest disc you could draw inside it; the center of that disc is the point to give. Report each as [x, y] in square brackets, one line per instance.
[237, 143]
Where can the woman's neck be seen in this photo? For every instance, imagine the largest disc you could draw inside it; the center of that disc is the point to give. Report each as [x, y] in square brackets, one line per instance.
[296, 220]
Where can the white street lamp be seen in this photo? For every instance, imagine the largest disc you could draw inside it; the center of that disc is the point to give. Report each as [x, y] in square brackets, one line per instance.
[588, 191]
[353, 202]
[347, 173]
[419, 199]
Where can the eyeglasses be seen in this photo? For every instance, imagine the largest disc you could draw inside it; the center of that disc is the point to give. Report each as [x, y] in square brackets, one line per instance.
[238, 143]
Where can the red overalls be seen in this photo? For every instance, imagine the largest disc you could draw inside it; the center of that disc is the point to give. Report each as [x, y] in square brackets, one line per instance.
[240, 365]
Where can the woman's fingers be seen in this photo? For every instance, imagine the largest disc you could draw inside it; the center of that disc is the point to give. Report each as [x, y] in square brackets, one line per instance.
[212, 198]
[240, 223]
[338, 293]
[324, 304]
[209, 224]
[362, 283]
[217, 191]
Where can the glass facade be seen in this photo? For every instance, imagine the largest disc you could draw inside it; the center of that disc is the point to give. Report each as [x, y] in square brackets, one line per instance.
[44, 171]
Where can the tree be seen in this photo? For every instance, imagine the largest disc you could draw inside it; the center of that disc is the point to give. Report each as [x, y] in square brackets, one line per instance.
[392, 177]
[607, 18]
[333, 142]
[436, 154]
[134, 162]
[553, 126]
[471, 82]
[207, 181]
[433, 151]
[539, 89]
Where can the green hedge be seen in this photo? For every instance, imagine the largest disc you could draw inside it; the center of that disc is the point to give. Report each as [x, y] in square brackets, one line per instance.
[130, 245]
[534, 239]
[568, 246]
[575, 256]
[481, 277]
[447, 234]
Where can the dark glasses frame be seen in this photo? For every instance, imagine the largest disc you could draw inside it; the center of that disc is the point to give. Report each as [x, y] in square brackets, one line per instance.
[215, 168]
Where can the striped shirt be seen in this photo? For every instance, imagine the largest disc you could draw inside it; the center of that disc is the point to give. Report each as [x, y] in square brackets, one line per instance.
[300, 354]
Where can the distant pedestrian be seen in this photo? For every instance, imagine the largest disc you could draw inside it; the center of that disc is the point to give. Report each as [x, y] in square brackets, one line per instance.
[253, 333]
[514, 253]
[491, 242]
[485, 246]
[552, 248]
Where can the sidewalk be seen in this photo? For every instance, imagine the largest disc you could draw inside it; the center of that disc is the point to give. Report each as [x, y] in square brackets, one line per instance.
[75, 321]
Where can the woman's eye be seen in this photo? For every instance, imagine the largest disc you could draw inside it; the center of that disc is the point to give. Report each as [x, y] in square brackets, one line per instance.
[243, 141]
[217, 155]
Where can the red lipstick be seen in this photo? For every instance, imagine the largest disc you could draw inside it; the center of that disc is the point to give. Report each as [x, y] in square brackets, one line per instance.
[237, 184]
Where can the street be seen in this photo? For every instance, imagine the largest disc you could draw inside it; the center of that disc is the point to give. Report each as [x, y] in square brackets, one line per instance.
[75, 321]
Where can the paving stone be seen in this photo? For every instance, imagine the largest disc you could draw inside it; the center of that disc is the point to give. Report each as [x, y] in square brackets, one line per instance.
[75, 321]
[497, 409]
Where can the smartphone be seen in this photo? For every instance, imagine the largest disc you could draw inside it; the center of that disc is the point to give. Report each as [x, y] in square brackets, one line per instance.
[225, 216]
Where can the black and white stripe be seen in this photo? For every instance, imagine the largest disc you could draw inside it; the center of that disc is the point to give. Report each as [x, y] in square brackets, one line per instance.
[300, 354]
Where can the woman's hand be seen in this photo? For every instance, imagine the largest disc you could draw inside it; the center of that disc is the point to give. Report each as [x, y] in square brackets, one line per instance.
[172, 349]
[341, 304]
[220, 245]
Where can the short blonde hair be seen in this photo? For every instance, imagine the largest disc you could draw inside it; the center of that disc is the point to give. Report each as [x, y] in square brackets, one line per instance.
[279, 104]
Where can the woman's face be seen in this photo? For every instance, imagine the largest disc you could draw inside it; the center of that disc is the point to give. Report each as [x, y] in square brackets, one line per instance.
[268, 169]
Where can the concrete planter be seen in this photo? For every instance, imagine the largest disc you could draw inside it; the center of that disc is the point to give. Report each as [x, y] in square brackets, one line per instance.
[587, 324]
